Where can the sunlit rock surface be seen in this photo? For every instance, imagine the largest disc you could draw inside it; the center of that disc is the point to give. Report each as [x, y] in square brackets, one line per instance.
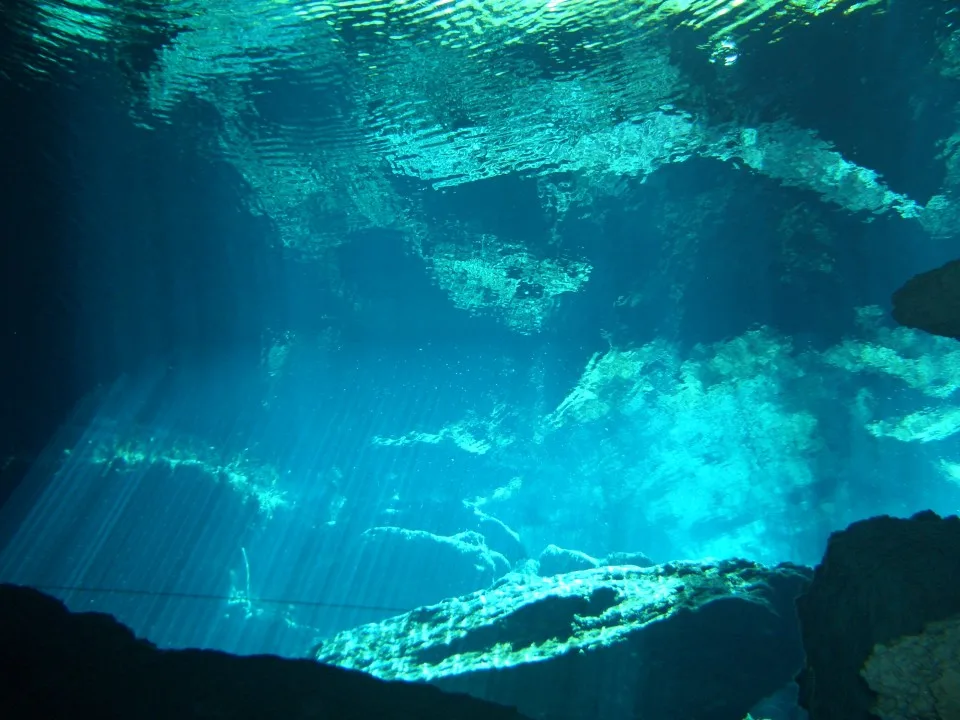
[556, 560]
[442, 566]
[685, 640]
[638, 559]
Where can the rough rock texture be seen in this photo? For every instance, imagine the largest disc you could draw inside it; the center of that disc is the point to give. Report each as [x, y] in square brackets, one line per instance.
[880, 580]
[57, 664]
[628, 558]
[918, 677]
[441, 517]
[556, 560]
[682, 640]
[931, 301]
[499, 536]
[414, 568]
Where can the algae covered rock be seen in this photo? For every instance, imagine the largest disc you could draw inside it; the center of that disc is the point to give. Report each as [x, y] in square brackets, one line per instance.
[703, 640]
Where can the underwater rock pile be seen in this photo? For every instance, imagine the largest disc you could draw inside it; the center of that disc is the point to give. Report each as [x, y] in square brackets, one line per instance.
[687, 640]
[880, 622]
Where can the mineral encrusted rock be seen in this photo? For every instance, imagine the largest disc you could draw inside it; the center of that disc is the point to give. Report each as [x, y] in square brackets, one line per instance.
[918, 676]
[681, 640]
[881, 581]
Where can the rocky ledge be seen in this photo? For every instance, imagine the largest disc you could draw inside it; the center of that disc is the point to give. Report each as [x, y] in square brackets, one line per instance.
[680, 640]
[58, 664]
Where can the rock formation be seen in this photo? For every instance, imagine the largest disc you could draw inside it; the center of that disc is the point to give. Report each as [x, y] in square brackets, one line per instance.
[931, 301]
[885, 587]
[681, 640]
[58, 664]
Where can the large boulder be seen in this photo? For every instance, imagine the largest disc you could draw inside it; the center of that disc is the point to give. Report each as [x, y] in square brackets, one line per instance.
[931, 301]
[58, 664]
[879, 594]
[682, 640]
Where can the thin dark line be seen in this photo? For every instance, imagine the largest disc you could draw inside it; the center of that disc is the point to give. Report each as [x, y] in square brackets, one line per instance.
[224, 598]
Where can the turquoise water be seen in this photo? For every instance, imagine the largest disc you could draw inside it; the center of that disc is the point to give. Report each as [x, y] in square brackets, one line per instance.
[372, 303]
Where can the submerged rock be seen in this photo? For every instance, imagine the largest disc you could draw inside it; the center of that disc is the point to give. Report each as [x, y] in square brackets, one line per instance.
[500, 537]
[931, 301]
[682, 640]
[882, 588]
[638, 559]
[918, 676]
[413, 568]
[58, 664]
[446, 518]
[557, 560]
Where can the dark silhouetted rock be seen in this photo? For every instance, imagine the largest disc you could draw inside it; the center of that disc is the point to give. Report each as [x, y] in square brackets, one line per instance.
[57, 664]
[880, 580]
[683, 640]
[931, 301]
[557, 560]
